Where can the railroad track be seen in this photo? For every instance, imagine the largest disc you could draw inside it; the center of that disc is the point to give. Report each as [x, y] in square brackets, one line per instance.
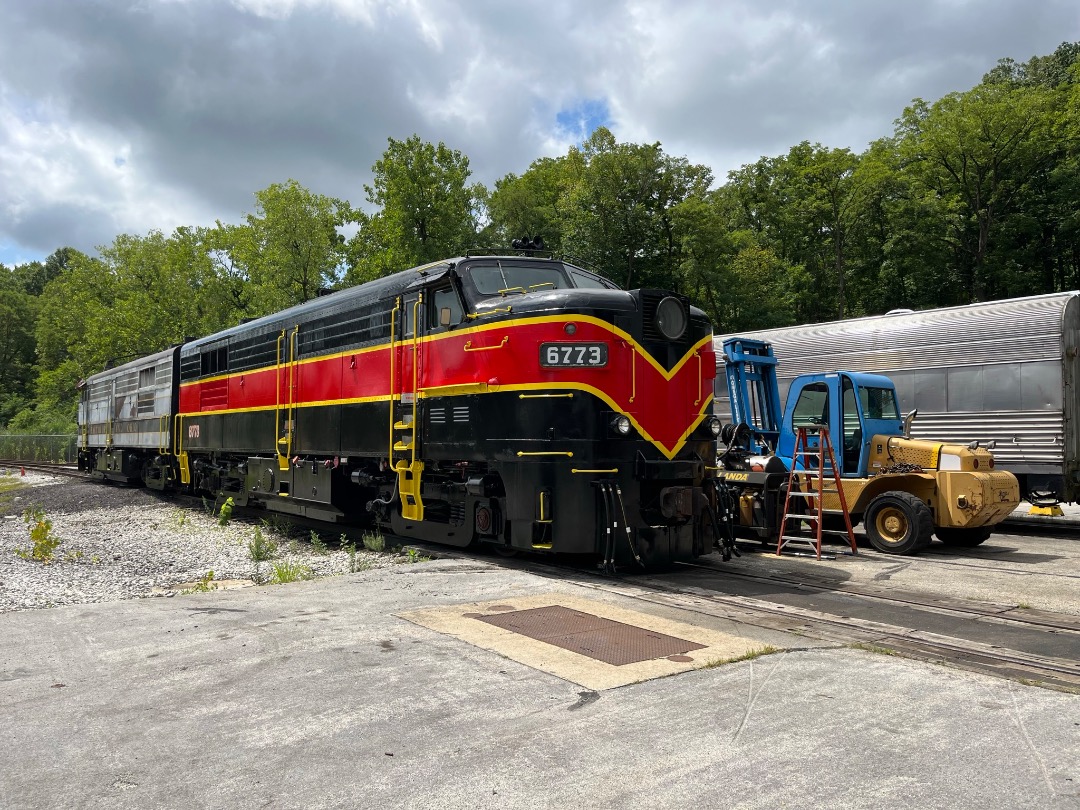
[831, 628]
[51, 468]
[706, 598]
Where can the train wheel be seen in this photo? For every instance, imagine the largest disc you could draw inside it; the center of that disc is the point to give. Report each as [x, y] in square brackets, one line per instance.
[964, 538]
[898, 523]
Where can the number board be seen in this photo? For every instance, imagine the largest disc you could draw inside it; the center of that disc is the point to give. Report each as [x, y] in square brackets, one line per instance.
[573, 355]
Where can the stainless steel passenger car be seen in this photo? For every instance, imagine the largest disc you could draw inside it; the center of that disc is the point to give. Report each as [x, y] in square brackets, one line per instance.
[1002, 371]
[125, 419]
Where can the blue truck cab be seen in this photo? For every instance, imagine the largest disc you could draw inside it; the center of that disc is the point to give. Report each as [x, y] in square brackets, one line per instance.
[855, 406]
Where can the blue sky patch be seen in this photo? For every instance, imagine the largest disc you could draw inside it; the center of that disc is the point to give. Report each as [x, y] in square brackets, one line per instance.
[581, 120]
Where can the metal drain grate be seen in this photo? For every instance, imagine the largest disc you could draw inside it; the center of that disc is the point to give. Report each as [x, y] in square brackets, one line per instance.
[602, 639]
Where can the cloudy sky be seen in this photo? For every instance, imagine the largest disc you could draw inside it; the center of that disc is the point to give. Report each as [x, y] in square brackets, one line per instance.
[126, 116]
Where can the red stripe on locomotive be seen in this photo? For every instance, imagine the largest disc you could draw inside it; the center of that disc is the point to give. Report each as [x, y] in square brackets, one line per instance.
[665, 409]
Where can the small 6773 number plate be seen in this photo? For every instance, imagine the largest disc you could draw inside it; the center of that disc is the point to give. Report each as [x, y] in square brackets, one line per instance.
[573, 355]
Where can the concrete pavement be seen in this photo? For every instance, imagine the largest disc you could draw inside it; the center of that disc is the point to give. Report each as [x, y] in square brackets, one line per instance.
[322, 694]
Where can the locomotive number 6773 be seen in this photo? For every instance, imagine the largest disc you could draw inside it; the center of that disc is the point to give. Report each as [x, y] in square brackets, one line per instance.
[514, 400]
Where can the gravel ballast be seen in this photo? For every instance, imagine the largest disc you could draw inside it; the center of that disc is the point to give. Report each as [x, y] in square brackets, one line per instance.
[127, 543]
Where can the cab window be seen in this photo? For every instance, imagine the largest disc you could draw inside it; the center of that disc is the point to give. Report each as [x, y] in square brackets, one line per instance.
[852, 446]
[812, 407]
[509, 279]
[879, 403]
[589, 282]
[445, 298]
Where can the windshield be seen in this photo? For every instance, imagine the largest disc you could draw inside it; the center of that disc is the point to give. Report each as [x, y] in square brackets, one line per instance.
[878, 403]
[509, 279]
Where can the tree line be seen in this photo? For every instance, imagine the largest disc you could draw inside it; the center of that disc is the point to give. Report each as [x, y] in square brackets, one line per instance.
[971, 198]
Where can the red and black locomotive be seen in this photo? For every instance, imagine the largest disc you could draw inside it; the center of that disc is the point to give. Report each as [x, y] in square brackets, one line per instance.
[513, 400]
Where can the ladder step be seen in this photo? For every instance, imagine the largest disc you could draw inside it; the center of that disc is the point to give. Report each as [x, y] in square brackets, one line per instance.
[403, 446]
[403, 426]
[799, 538]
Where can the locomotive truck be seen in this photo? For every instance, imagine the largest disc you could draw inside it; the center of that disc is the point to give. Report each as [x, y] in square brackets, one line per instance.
[903, 490]
[513, 400]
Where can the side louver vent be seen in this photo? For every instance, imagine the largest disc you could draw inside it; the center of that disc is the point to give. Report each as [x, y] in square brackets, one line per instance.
[650, 299]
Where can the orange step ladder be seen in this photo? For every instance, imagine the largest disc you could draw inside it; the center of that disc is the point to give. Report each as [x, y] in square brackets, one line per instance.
[821, 479]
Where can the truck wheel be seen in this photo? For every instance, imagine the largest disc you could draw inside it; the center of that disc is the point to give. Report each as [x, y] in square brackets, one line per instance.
[898, 523]
[966, 538]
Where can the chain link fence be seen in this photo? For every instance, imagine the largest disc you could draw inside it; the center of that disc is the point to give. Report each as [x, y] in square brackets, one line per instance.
[25, 447]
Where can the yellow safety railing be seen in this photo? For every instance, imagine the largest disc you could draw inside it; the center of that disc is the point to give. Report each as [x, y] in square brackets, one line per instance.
[470, 348]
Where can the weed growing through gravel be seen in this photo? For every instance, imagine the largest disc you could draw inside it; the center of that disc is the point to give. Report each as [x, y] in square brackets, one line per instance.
[414, 556]
[225, 512]
[261, 548]
[317, 544]
[9, 484]
[285, 571]
[355, 563]
[203, 585]
[278, 524]
[43, 543]
[374, 541]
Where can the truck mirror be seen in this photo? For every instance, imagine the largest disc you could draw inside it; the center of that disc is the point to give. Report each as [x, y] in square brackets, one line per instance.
[908, 420]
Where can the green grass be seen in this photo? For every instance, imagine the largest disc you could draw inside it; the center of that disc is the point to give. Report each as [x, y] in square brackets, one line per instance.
[374, 541]
[285, 571]
[749, 655]
[203, 585]
[261, 548]
[9, 484]
[871, 648]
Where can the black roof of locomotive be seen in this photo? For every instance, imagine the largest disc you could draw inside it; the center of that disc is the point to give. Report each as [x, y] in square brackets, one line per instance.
[380, 288]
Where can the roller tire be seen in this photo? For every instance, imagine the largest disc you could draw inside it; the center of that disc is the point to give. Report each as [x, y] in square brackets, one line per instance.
[898, 523]
[964, 538]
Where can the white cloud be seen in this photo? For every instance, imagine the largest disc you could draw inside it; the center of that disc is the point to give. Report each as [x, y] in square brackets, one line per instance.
[123, 117]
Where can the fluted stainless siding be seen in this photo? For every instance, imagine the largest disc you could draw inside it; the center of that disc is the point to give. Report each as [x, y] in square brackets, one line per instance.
[1001, 370]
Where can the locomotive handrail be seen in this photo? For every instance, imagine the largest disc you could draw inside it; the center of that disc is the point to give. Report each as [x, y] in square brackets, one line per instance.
[470, 348]
[633, 371]
[612, 471]
[459, 388]
[569, 395]
[472, 316]
[393, 359]
[567, 453]
[416, 370]
[290, 422]
[163, 434]
[697, 354]
[283, 463]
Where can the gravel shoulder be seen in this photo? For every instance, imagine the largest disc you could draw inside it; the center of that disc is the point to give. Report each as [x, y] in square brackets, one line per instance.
[126, 543]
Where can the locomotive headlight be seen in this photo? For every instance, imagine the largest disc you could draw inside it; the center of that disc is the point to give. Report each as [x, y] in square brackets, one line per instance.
[671, 318]
[712, 424]
[621, 425]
